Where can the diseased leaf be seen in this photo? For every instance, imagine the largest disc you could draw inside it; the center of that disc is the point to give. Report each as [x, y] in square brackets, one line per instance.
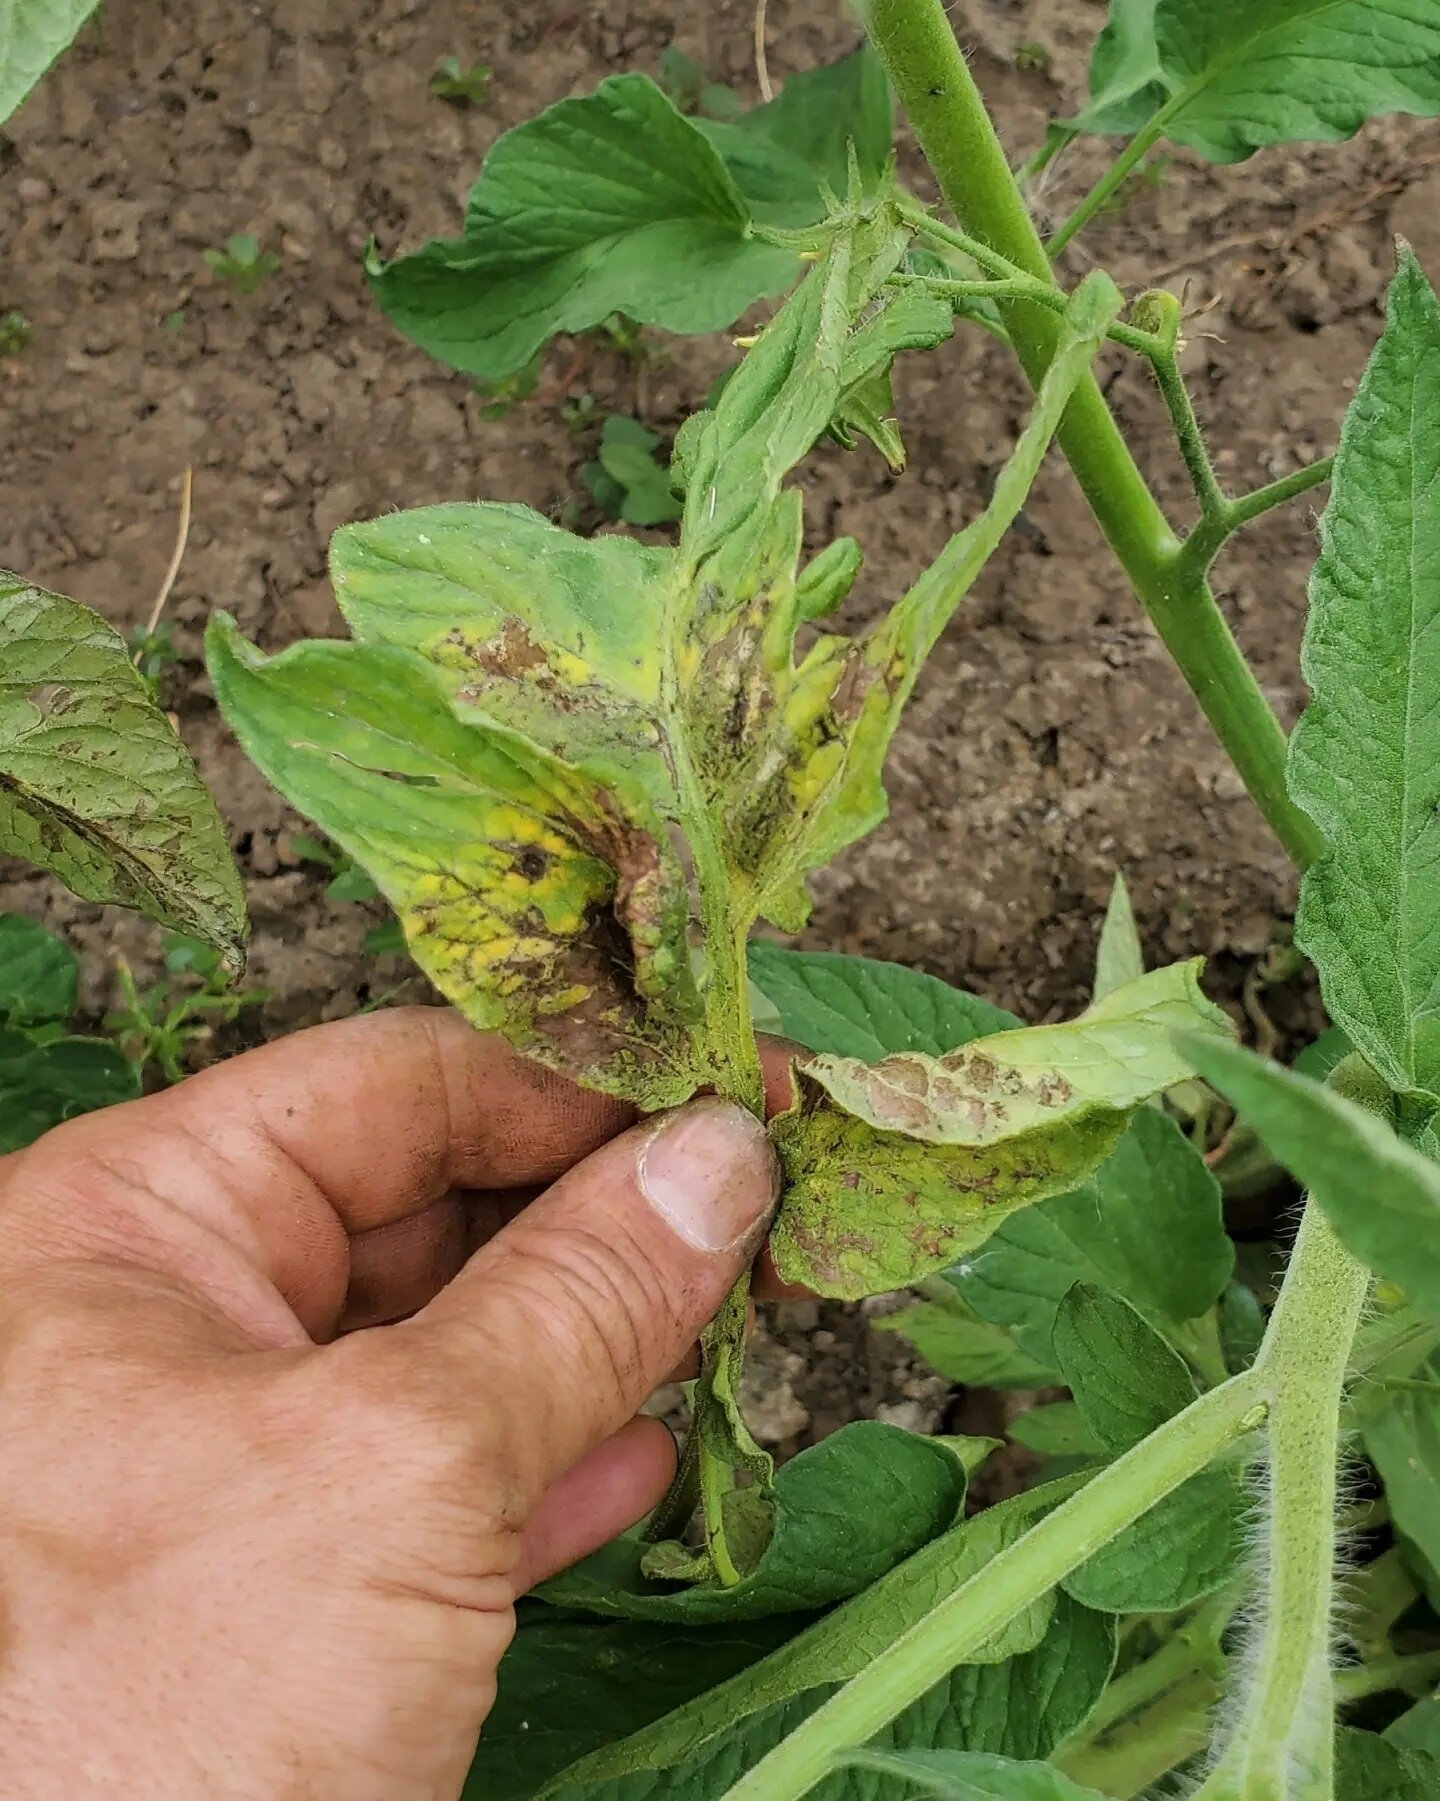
[1381, 1195]
[965, 1349]
[895, 1169]
[610, 203]
[1119, 958]
[95, 786]
[1147, 1226]
[970, 1776]
[32, 34]
[1228, 77]
[858, 1007]
[1125, 1379]
[500, 860]
[845, 1511]
[38, 973]
[45, 1082]
[1365, 759]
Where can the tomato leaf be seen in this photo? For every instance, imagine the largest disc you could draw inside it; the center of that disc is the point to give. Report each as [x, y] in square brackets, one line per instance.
[899, 1491]
[1381, 1194]
[894, 1169]
[859, 1007]
[1228, 77]
[1365, 761]
[95, 785]
[1370, 1768]
[970, 1776]
[963, 1348]
[39, 976]
[610, 203]
[43, 1083]
[503, 863]
[32, 34]
[1147, 1226]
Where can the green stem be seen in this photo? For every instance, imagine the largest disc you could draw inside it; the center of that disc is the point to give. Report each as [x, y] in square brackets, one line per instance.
[1193, 1646]
[1192, 440]
[1150, 1745]
[1210, 536]
[1026, 1570]
[1114, 178]
[1420, 1670]
[918, 48]
[1281, 1743]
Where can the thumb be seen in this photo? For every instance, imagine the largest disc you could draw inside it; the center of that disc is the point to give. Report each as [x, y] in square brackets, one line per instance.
[580, 1307]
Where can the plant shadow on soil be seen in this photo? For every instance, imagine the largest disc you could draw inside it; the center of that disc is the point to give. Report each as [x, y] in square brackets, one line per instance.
[1050, 742]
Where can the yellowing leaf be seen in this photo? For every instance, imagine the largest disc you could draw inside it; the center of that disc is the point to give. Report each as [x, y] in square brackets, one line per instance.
[896, 1168]
[526, 895]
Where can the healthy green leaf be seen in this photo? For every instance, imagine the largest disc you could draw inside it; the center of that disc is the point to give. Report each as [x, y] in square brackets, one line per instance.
[610, 203]
[1365, 761]
[786, 154]
[94, 783]
[845, 1511]
[1370, 1768]
[570, 1685]
[1186, 1547]
[39, 976]
[1228, 77]
[1147, 1225]
[499, 859]
[32, 34]
[1057, 1430]
[1402, 1439]
[965, 1349]
[1119, 958]
[858, 1007]
[1417, 1729]
[1019, 1707]
[1125, 1379]
[895, 1169]
[44, 1083]
[1381, 1196]
[971, 1776]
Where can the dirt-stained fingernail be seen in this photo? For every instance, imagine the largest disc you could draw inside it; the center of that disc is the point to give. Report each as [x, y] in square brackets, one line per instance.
[709, 1171]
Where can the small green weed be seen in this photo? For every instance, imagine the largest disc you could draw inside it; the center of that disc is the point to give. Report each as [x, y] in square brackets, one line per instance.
[683, 81]
[242, 264]
[16, 332]
[625, 481]
[452, 81]
[168, 1022]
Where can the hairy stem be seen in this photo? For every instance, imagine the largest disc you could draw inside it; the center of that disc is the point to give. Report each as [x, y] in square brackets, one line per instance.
[918, 48]
[1281, 1743]
[1009, 1583]
[1412, 1674]
[1212, 533]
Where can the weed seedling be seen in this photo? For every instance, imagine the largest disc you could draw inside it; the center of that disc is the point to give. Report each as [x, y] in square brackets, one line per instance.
[461, 86]
[168, 1024]
[15, 332]
[683, 80]
[242, 264]
[625, 481]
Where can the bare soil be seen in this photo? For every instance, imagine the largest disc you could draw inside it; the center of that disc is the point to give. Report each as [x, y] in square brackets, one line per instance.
[1050, 744]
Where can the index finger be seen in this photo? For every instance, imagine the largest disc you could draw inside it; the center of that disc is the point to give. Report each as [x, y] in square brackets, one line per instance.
[284, 1154]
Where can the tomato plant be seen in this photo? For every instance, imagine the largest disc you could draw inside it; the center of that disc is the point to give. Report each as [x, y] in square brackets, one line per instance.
[582, 771]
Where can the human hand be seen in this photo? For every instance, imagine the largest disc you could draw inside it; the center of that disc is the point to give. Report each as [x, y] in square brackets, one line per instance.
[256, 1542]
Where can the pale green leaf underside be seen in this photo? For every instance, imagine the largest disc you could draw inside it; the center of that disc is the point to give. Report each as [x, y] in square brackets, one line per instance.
[1229, 77]
[970, 1776]
[1365, 760]
[896, 1169]
[965, 1349]
[609, 203]
[32, 35]
[95, 785]
[1381, 1196]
